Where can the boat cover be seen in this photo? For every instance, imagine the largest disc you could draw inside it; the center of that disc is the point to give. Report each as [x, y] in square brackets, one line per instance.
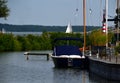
[67, 50]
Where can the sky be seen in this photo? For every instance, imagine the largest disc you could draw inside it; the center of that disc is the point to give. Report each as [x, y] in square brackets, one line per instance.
[57, 12]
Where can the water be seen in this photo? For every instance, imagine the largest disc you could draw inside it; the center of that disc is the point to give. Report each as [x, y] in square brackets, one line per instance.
[25, 33]
[14, 68]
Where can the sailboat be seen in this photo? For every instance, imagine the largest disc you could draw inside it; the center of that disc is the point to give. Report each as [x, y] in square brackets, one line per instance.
[69, 28]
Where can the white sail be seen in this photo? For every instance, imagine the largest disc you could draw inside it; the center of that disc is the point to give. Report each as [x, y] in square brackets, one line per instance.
[69, 28]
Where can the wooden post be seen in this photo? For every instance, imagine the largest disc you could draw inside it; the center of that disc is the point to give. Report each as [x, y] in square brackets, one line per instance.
[27, 58]
[47, 57]
[116, 59]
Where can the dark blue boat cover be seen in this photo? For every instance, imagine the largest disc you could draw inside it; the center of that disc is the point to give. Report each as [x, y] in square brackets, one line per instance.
[67, 50]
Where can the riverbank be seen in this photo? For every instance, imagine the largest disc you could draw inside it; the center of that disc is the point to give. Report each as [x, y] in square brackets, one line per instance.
[106, 68]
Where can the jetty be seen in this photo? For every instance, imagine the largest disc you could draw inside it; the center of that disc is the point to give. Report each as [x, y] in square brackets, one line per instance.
[38, 54]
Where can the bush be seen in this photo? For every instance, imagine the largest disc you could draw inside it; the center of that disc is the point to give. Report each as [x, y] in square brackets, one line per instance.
[117, 48]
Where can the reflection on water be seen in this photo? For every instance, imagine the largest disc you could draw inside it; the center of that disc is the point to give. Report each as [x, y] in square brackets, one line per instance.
[14, 68]
[70, 76]
[95, 78]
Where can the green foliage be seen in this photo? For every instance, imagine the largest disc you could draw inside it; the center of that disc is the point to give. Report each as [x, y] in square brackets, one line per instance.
[110, 37]
[4, 11]
[31, 42]
[117, 49]
[25, 43]
[62, 34]
[98, 38]
[7, 42]
[17, 45]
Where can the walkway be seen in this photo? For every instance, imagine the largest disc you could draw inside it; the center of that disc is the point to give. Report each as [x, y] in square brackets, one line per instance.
[109, 59]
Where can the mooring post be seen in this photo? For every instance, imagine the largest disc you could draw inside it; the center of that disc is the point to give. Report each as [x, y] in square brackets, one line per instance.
[47, 57]
[27, 58]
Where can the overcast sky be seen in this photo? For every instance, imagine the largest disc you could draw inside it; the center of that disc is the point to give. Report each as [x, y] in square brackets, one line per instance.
[56, 12]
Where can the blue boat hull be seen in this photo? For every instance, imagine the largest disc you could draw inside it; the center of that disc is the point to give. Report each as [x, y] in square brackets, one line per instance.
[81, 63]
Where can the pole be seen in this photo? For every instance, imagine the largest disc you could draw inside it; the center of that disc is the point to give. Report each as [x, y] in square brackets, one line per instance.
[118, 22]
[117, 3]
[106, 23]
[84, 23]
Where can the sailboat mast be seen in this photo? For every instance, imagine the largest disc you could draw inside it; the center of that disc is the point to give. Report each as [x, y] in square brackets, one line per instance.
[84, 23]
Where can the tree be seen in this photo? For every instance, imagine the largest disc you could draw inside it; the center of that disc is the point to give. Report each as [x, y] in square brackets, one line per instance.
[97, 38]
[4, 11]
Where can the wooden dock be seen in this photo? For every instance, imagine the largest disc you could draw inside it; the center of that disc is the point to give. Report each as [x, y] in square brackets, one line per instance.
[36, 53]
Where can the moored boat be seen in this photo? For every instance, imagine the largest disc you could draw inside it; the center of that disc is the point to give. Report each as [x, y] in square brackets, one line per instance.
[65, 56]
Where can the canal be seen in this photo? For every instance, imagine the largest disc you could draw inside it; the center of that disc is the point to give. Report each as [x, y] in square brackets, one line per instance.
[14, 68]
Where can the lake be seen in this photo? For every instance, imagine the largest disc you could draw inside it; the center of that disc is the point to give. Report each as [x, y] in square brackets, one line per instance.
[14, 68]
[25, 33]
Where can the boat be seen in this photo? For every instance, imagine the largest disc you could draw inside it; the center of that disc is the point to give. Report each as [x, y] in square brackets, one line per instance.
[69, 28]
[68, 56]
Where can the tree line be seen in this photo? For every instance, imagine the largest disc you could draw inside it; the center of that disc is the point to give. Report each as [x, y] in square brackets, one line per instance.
[9, 42]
